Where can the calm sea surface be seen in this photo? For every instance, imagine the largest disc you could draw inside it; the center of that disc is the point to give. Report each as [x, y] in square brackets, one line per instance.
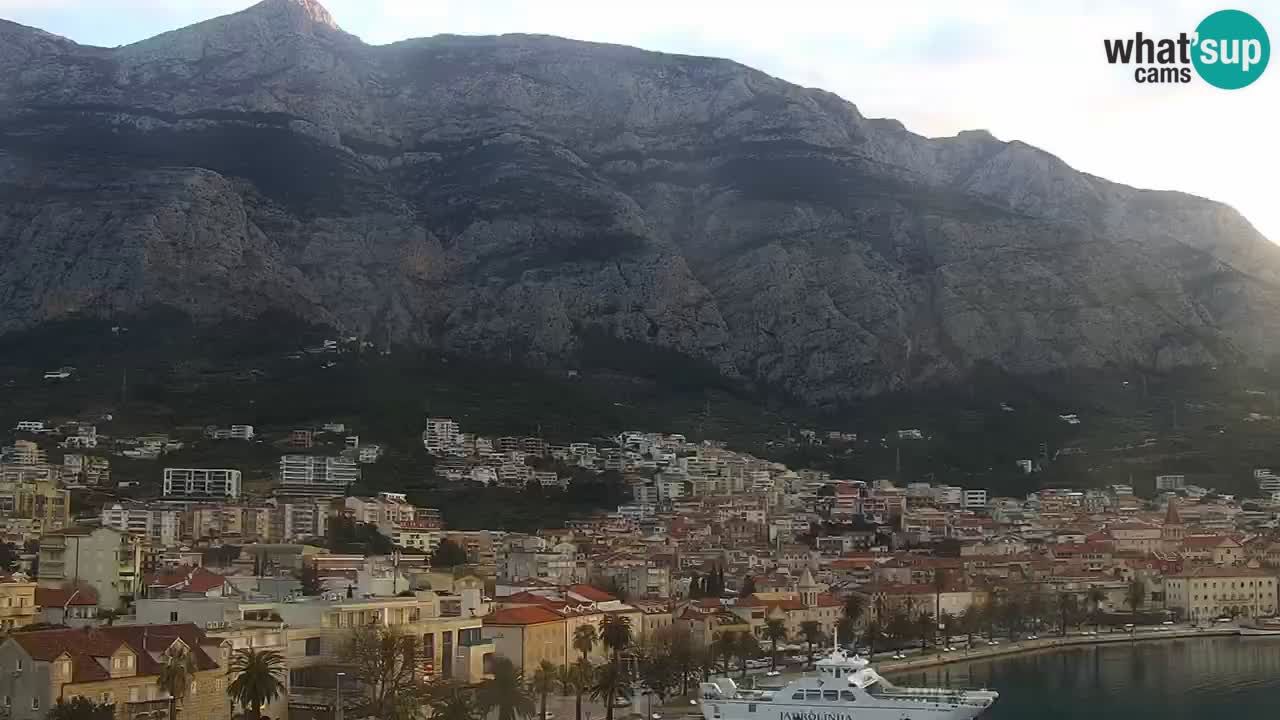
[1194, 679]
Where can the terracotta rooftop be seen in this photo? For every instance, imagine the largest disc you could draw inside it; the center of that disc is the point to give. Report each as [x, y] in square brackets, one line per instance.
[89, 649]
[529, 615]
[198, 580]
[62, 597]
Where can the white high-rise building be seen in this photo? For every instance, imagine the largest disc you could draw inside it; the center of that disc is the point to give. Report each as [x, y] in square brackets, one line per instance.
[164, 525]
[975, 499]
[201, 483]
[317, 475]
[441, 436]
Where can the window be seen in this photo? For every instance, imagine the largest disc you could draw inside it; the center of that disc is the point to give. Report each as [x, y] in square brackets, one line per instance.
[798, 695]
[813, 694]
[173, 616]
[106, 698]
[135, 694]
[18, 665]
[35, 703]
[830, 695]
[313, 646]
[847, 695]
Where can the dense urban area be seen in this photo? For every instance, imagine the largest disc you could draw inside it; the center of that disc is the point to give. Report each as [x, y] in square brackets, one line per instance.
[222, 591]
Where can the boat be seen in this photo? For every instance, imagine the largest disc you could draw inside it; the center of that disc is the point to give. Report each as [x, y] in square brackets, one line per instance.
[1264, 628]
[845, 687]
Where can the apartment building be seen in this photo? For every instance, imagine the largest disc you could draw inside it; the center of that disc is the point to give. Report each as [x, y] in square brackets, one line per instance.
[317, 475]
[441, 436]
[162, 525]
[34, 492]
[385, 509]
[199, 483]
[26, 452]
[87, 469]
[115, 665]
[17, 603]
[106, 558]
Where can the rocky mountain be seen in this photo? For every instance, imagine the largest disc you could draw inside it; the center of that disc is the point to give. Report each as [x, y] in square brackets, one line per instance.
[528, 195]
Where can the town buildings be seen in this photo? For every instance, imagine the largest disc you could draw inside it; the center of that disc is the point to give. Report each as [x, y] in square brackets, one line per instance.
[197, 483]
[106, 559]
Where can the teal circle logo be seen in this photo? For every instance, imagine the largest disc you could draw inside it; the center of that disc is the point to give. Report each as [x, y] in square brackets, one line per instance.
[1232, 49]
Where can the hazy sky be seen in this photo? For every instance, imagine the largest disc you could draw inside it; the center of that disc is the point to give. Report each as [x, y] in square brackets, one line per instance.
[1031, 71]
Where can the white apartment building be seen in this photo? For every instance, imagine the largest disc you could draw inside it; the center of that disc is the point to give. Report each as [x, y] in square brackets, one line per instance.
[950, 495]
[162, 525]
[31, 426]
[975, 499]
[1170, 482]
[441, 436]
[201, 483]
[317, 475]
[302, 519]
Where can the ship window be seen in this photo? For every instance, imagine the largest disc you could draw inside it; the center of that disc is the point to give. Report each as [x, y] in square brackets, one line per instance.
[751, 707]
[798, 695]
[830, 695]
[813, 694]
[847, 695]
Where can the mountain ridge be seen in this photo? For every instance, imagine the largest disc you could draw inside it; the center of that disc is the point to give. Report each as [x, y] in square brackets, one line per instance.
[511, 194]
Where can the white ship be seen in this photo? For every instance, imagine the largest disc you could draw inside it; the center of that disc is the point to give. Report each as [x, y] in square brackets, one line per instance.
[844, 688]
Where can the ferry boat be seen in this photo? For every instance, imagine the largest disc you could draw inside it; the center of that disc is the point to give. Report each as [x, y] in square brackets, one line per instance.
[844, 688]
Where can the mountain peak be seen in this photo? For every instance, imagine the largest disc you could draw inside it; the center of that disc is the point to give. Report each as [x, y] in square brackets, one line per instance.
[299, 14]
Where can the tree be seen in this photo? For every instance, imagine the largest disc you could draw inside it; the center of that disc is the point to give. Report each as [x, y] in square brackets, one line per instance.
[259, 679]
[1095, 598]
[310, 579]
[382, 667]
[576, 680]
[939, 587]
[543, 683]
[748, 587]
[723, 646]
[925, 625]
[8, 556]
[746, 647]
[455, 703]
[615, 635]
[505, 691]
[81, 708]
[811, 631]
[448, 554]
[658, 674]
[871, 632]
[855, 606]
[177, 668]
[775, 631]
[684, 656]
[107, 615]
[1135, 595]
[585, 639]
[611, 682]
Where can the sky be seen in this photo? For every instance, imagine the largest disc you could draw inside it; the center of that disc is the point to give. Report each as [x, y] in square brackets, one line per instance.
[1031, 71]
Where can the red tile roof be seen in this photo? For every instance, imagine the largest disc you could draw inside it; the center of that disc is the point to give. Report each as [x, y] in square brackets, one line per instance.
[62, 597]
[530, 615]
[88, 648]
[591, 593]
[185, 579]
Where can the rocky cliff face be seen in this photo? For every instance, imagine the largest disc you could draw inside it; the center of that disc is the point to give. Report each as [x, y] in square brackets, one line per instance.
[521, 193]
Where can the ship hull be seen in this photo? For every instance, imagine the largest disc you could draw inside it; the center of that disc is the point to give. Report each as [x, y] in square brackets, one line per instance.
[890, 710]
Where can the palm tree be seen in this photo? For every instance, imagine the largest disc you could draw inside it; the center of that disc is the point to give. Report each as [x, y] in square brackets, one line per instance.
[811, 631]
[575, 680]
[543, 683]
[456, 703]
[746, 647]
[610, 683]
[775, 630]
[585, 639]
[615, 635]
[177, 668]
[506, 691]
[723, 646]
[258, 679]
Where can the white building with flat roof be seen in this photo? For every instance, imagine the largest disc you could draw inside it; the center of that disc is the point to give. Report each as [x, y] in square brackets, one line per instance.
[317, 475]
[201, 483]
[975, 499]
